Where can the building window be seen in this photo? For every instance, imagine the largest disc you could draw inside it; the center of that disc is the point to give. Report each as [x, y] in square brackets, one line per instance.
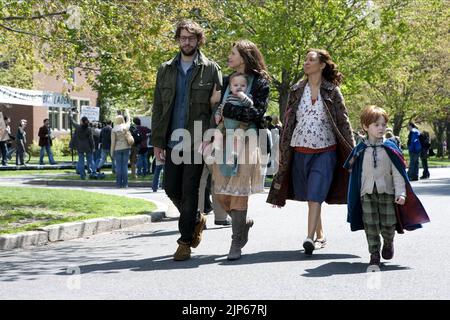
[53, 117]
[65, 119]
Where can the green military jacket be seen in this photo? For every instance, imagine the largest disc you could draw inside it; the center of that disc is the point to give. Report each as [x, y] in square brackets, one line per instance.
[205, 75]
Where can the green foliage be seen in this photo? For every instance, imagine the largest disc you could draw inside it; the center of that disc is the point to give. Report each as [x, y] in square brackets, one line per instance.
[382, 47]
[60, 147]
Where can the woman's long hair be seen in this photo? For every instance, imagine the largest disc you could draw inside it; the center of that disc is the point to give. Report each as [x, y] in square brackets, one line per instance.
[330, 72]
[253, 59]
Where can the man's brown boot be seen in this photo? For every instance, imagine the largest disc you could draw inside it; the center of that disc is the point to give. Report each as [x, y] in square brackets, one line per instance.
[183, 252]
[197, 236]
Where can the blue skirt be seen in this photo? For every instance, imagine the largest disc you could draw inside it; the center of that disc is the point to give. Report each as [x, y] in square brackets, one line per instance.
[312, 175]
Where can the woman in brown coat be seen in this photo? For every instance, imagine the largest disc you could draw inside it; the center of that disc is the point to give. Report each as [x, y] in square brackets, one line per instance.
[316, 140]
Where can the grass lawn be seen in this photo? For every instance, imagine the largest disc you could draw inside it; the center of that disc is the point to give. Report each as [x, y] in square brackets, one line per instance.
[35, 159]
[25, 209]
[432, 161]
[64, 174]
[14, 173]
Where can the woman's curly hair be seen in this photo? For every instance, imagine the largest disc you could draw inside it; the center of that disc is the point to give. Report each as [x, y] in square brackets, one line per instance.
[330, 72]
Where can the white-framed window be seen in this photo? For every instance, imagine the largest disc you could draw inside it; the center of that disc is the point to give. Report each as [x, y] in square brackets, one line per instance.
[53, 117]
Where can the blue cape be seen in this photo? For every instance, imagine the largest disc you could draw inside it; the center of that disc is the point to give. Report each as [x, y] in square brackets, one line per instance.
[410, 216]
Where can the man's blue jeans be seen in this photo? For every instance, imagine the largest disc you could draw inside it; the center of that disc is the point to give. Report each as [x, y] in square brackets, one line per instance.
[47, 148]
[80, 164]
[103, 157]
[156, 175]
[142, 164]
[413, 170]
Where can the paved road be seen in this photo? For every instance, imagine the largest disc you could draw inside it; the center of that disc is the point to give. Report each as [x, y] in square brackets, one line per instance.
[136, 263]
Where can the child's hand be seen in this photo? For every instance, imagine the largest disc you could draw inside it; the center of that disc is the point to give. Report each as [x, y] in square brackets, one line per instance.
[241, 95]
[218, 118]
[400, 200]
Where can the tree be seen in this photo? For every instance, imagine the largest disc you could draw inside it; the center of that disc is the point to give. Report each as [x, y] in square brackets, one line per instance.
[360, 38]
[117, 44]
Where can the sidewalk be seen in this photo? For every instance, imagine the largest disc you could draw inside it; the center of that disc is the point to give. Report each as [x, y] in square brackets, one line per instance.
[86, 228]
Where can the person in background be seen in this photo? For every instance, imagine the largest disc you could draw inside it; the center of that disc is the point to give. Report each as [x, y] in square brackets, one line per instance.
[414, 148]
[142, 148]
[390, 135]
[120, 148]
[4, 139]
[159, 167]
[105, 146]
[45, 142]
[424, 139]
[83, 142]
[96, 129]
[21, 141]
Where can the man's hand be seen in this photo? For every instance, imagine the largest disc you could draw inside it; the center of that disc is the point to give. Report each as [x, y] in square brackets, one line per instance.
[400, 200]
[215, 97]
[217, 118]
[160, 154]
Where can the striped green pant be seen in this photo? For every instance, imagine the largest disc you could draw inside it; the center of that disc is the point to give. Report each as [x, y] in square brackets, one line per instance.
[378, 217]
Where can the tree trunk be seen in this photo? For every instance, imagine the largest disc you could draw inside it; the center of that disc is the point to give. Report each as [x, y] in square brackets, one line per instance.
[439, 129]
[398, 121]
[448, 137]
[283, 90]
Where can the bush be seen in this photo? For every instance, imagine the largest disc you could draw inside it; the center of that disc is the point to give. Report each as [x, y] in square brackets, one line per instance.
[60, 147]
[34, 149]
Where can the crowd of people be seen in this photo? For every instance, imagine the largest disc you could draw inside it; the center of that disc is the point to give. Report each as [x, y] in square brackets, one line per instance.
[94, 143]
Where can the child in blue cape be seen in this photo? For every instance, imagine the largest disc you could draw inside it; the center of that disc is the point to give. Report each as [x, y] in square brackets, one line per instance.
[380, 197]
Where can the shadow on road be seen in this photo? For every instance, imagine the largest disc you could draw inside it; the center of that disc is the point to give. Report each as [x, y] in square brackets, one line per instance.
[166, 262]
[156, 233]
[336, 268]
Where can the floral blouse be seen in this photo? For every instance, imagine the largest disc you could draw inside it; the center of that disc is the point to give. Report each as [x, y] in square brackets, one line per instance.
[313, 129]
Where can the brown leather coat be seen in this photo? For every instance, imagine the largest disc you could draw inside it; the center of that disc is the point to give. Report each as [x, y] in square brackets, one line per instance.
[282, 187]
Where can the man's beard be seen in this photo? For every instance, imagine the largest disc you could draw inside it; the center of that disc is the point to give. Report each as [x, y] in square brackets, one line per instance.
[189, 53]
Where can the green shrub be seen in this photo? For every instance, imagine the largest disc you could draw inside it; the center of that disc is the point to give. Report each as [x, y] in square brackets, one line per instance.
[34, 148]
[60, 147]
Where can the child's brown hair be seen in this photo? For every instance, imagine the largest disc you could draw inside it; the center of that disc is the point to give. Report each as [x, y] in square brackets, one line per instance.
[370, 114]
[239, 74]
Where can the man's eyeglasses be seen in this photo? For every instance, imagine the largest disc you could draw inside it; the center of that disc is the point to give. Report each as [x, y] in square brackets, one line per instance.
[190, 39]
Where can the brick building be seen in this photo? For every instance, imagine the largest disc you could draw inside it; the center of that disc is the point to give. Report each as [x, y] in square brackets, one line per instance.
[45, 101]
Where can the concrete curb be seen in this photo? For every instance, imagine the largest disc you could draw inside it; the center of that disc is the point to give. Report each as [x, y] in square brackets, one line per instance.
[87, 183]
[95, 183]
[78, 229]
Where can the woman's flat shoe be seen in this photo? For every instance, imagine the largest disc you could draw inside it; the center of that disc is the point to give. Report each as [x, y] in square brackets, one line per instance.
[309, 247]
[320, 243]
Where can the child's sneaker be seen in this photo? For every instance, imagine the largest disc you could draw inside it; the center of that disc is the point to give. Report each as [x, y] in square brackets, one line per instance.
[388, 251]
[375, 259]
